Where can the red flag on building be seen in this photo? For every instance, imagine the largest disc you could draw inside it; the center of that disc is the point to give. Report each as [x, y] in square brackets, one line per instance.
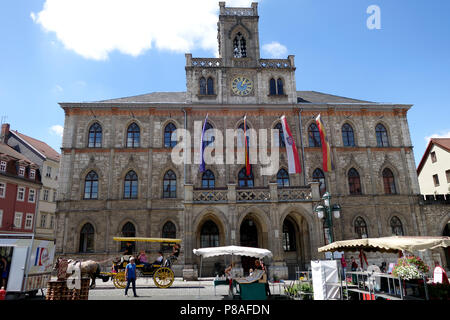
[326, 149]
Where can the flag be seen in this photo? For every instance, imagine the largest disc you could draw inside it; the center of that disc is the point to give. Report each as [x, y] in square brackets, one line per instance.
[248, 167]
[203, 147]
[291, 149]
[326, 149]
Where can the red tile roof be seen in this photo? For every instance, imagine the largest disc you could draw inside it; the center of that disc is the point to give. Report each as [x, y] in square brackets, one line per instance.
[5, 149]
[444, 143]
[40, 146]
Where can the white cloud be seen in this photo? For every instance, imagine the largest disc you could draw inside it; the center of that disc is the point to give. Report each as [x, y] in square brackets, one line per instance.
[443, 134]
[95, 28]
[33, 16]
[57, 89]
[275, 50]
[57, 130]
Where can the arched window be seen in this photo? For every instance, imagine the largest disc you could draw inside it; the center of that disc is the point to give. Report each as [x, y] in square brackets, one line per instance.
[169, 231]
[87, 239]
[91, 186]
[273, 87]
[382, 136]
[130, 190]
[95, 136]
[208, 180]
[348, 136]
[241, 139]
[397, 227]
[289, 238]
[239, 46]
[389, 182]
[133, 136]
[280, 86]
[282, 142]
[169, 140]
[361, 228]
[209, 235]
[128, 231]
[210, 86]
[244, 180]
[283, 178]
[209, 135]
[170, 185]
[314, 136]
[354, 182]
[319, 176]
[203, 86]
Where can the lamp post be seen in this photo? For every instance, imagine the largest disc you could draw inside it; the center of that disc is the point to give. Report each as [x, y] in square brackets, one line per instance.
[326, 212]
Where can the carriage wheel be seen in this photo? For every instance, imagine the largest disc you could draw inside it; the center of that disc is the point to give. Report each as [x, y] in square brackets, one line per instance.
[119, 280]
[163, 278]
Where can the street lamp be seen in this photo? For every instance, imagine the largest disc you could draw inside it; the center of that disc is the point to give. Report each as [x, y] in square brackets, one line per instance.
[327, 211]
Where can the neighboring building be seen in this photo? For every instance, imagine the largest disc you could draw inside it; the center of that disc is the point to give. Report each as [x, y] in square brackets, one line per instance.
[117, 176]
[48, 161]
[19, 191]
[434, 168]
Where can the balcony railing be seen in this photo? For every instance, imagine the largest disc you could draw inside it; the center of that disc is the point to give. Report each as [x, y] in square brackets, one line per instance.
[253, 195]
[210, 196]
[294, 194]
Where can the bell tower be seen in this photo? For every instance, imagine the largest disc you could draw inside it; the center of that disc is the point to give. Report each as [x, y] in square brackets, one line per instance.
[238, 36]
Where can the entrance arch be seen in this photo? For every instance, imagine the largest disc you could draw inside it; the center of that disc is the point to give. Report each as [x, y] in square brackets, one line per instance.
[249, 238]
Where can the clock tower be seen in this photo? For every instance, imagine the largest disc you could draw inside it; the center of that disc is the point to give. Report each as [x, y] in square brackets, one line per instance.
[238, 75]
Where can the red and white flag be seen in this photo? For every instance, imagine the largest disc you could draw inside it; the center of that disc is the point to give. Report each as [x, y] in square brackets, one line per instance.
[291, 149]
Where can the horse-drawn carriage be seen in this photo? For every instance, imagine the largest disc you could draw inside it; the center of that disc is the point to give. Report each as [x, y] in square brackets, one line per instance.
[161, 272]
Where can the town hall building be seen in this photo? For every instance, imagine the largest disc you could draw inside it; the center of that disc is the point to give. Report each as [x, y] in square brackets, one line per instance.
[117, 177]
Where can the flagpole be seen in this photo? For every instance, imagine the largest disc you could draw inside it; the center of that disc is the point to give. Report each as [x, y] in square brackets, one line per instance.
[302, 145]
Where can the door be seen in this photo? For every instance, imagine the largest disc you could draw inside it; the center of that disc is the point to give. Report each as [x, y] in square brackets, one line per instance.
[17, 270]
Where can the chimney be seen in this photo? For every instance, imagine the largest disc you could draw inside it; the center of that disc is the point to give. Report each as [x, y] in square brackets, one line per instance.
[5, 133]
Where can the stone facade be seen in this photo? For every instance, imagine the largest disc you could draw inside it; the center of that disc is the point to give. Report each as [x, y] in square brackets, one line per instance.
[266, 207]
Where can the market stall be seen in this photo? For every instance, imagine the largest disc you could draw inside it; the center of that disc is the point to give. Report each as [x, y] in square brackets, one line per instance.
[250, 288]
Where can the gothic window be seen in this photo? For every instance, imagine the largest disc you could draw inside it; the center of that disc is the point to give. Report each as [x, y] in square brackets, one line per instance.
[289, 241]
[244, 180]
[208, 180]
[240, 46]
[169, 231]
[130, 190]
[354, 182]
[280, 87]
[283, 178]
[396, 226]
[202, 86]
[348, 136]
[169, 141]
[210, 85]
[282, 142]
[128, 231]
[133, 136]
[209, 235]
[273, 87]
[382, 136]
[319, 176]
[87, 239]
[361, 228]
[389, 182]
[170, 185]
[95, 136]
[314, 136]
[91, 186]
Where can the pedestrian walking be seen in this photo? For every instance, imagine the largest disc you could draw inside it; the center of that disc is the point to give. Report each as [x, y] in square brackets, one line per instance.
[130, 276]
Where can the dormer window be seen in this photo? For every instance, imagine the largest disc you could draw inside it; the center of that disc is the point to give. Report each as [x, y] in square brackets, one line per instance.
[3, 166]
[32, 174]
[21, 171]
[240, 46]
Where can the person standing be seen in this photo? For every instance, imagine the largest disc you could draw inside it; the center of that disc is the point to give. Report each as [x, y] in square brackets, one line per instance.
[343, 266]
[354, 267]
[130, 276]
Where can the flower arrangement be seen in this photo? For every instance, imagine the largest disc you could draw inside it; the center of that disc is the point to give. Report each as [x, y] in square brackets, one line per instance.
[410, 267]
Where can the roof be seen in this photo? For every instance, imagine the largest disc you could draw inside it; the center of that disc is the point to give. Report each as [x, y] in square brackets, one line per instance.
[444, 143]
[5, 149]
[180, 97]
[40, 146]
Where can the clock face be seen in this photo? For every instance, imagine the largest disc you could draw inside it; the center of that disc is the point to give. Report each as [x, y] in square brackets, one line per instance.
[242, 86]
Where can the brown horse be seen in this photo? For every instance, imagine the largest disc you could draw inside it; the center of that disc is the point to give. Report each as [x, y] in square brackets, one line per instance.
[88, 268]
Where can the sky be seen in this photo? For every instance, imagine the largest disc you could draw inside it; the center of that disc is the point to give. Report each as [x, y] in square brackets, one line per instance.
[88, 50]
